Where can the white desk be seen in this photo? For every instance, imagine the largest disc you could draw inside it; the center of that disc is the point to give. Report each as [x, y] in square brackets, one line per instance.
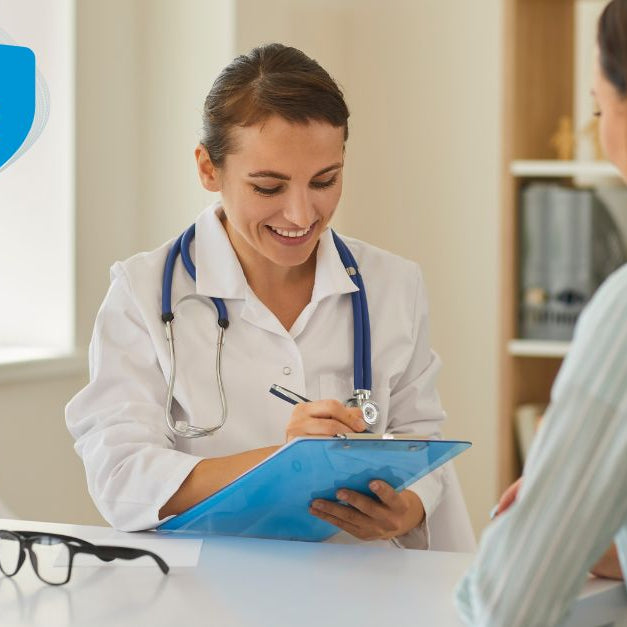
[246, 582]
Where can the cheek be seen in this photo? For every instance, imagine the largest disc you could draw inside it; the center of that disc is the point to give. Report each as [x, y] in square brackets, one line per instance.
[613, 133]
[330, 200]
[607, 137]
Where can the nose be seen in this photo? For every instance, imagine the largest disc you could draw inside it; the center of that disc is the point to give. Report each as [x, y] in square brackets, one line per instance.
[299, 208]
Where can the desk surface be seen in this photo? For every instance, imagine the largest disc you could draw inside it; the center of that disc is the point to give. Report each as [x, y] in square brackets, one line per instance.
[245, 582]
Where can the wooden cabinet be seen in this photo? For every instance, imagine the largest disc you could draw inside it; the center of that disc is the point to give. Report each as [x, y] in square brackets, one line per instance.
[539, 70]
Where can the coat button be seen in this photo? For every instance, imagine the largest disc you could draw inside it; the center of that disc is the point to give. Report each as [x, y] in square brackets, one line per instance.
[287, 370]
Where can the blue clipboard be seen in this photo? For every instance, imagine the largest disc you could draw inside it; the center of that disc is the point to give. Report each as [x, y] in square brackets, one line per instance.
[272, 499]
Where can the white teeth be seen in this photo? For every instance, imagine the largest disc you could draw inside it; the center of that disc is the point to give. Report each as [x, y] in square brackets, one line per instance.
[285, 233]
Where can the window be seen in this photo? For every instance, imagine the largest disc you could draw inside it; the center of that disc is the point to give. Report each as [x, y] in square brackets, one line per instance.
[37, 194]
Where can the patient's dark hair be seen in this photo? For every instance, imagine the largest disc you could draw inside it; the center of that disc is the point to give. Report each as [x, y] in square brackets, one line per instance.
[612, 40]
[270, 80]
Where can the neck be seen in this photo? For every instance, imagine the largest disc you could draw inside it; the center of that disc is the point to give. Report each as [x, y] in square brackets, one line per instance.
[268, 280]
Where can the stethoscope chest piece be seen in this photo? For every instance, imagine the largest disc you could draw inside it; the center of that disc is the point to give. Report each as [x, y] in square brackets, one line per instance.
[370, 410]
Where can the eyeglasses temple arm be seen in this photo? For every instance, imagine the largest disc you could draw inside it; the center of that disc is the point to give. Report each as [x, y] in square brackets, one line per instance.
[109, 553]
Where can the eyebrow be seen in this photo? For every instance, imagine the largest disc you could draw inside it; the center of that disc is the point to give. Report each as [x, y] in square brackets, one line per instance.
[285, 177]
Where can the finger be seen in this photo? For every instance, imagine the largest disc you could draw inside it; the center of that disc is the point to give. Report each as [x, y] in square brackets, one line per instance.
[342, 524]
[388, 495]
[315, 426]
[508, 497]
[343, 512]
[354, 530]
[352, 417]
[368, 506]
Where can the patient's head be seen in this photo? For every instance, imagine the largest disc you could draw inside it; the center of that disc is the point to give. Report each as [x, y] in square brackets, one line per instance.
[610, 84]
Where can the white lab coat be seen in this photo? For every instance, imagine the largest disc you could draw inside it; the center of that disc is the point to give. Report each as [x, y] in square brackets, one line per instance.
[134, 464]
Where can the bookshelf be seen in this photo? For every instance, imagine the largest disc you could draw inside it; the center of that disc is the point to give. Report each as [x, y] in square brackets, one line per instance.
[537, 348]
[552, 168]
[542, 82]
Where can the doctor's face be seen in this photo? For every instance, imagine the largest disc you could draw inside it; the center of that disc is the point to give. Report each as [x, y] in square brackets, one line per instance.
[280, 188]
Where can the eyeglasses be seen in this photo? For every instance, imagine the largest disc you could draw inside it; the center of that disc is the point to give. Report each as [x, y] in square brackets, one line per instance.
[52, 554]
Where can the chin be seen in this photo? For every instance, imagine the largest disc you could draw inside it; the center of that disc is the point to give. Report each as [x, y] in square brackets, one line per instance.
[290, 261]
[293, 258]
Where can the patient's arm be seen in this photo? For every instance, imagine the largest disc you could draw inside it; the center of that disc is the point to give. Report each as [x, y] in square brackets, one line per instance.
[608, 566]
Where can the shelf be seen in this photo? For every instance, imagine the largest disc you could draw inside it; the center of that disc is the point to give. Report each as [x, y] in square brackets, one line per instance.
[555, 169]
[537, 348]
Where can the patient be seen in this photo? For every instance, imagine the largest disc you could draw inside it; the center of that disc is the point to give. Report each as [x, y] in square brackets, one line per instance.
[572, 504]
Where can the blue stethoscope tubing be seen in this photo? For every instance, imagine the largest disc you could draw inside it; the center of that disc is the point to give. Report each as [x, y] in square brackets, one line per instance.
[362, 361]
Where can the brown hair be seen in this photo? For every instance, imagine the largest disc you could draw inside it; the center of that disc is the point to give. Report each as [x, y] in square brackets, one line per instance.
[270, 80]
[612, 40]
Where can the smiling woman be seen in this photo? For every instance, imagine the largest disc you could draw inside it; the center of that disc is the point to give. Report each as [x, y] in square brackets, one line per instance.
[274, 237]
[273, 146]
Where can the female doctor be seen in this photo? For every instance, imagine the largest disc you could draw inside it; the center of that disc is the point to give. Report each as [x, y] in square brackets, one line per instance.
[273, 146]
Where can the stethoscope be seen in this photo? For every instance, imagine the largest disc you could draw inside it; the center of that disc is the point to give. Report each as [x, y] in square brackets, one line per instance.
[362, 366]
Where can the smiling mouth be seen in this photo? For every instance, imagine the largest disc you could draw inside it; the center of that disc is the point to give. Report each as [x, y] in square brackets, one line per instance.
[291, 233]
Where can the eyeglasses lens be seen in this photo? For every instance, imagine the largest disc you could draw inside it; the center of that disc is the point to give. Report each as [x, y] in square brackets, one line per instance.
[9, 553]
[53, 559]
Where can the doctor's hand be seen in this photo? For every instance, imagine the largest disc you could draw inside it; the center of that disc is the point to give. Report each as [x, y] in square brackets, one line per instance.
[391, 514]
[326, 417]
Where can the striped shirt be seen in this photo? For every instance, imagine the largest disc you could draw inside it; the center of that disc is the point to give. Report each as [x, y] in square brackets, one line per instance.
[534, 559]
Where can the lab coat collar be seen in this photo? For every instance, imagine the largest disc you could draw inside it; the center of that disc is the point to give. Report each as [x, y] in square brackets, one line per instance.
[218, 270]
[219, 273]
[331, 276]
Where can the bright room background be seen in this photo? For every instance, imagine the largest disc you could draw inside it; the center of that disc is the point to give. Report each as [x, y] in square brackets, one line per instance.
[423, 80]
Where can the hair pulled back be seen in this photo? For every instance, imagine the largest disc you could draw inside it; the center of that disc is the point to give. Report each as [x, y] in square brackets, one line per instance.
[612, 41]
[270, 80]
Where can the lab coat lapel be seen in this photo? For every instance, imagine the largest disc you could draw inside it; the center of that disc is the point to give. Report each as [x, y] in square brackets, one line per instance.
[331, 275]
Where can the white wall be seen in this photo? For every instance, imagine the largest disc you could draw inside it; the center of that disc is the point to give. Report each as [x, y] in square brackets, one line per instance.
[422, 79]
[184, 45]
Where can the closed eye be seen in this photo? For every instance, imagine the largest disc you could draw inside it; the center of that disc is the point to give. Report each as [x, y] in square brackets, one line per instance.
[324, 184]
[272, 191]
[267, 191]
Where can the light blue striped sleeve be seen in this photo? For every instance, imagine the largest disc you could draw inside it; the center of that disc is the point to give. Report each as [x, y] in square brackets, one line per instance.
[534, 559]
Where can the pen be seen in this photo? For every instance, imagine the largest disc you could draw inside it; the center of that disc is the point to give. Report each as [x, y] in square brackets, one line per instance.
[287, 395]
[291, 397]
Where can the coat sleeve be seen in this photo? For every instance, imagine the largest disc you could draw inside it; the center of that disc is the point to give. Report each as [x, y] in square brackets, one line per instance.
[118, 421]
[415, 408]
[534, 559]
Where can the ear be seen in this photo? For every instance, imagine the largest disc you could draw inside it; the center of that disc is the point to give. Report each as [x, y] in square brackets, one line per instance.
[209, 174]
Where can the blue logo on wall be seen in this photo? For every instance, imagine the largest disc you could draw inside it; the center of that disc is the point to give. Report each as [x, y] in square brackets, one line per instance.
[17, 98]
